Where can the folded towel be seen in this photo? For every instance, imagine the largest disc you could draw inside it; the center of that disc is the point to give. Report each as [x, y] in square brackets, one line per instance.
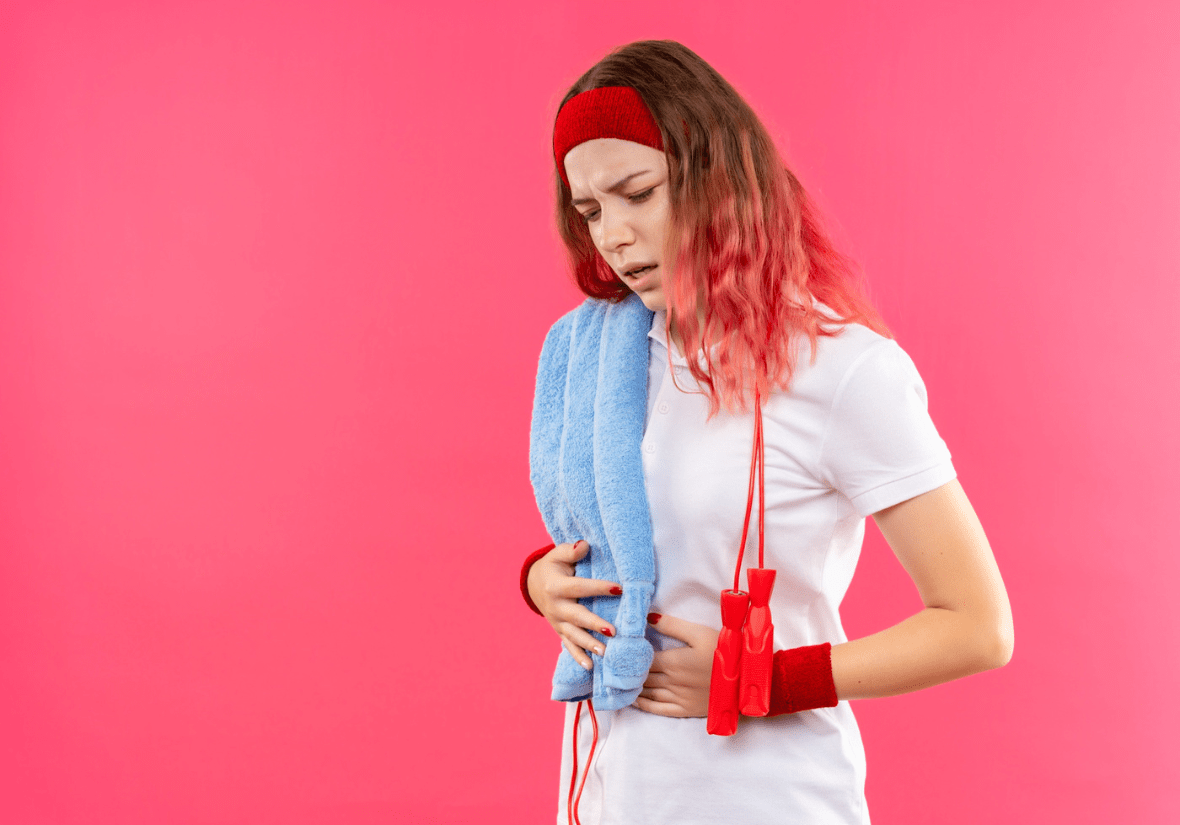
[587, 473]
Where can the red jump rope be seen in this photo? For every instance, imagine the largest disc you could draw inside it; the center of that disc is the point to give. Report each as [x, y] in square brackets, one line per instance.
[743, 660]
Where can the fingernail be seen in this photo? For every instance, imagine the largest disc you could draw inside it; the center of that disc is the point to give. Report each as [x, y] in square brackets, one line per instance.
[586, 665]
[600, 650]
[616, 591]
[606, 631]
[652, 618]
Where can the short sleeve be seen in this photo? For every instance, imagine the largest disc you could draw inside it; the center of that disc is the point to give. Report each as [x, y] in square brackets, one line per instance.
[880, 446]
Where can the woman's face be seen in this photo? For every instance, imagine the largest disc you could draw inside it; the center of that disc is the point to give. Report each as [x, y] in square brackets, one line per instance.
[621, 190]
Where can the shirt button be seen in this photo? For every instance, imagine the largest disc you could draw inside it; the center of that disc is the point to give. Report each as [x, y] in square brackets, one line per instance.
[663, 406]
[649, 448]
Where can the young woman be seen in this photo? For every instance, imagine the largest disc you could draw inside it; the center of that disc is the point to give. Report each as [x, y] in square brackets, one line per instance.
[671, 193]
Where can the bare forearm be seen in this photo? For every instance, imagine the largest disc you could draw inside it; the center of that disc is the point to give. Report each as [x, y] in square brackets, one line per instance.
[933, 646]
[966, 626]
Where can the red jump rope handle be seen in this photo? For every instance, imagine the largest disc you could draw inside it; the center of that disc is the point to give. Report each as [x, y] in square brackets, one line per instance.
[757, 644]
[723, 683]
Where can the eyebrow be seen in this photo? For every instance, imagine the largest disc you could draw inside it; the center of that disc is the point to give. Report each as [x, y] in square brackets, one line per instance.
[614, 187]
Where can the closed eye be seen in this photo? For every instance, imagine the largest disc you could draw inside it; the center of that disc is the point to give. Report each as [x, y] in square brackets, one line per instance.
[640, 197]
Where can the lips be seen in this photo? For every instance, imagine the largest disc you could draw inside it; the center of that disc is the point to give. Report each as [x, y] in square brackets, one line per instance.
[637, 274]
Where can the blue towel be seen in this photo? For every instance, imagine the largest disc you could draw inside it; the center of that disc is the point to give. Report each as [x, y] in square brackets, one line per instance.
[587, 473]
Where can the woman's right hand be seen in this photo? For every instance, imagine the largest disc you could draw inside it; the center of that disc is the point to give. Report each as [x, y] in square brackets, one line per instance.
[555, 591]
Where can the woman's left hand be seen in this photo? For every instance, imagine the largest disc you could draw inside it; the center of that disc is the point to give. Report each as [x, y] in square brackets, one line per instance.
[678, 682]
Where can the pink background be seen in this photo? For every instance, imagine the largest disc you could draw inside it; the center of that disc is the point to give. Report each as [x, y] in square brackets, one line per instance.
[273, 282]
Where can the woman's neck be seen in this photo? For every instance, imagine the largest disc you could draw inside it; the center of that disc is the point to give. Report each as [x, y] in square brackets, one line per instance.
[678, 340]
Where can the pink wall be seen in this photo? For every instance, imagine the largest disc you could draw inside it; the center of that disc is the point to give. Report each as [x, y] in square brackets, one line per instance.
[273, 281]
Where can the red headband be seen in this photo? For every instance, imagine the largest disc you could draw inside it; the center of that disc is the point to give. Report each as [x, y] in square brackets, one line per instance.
[606, 112]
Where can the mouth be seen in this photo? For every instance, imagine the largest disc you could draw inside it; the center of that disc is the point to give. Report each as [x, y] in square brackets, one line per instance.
[637, 274]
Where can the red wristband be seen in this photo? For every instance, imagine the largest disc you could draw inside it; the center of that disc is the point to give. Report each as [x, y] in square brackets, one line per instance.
[524, 575]
[802, 680]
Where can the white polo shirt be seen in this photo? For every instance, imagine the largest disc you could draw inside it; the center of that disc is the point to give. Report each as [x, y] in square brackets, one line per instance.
[851, 437]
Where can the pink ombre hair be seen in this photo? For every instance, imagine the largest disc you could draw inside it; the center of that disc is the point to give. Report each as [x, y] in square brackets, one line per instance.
[749, 249]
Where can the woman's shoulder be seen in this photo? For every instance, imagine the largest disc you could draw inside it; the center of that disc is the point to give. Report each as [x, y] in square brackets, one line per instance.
[856, 370]
[840, 351]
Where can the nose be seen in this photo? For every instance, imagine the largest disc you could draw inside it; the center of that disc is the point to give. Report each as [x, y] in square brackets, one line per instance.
[614, 230]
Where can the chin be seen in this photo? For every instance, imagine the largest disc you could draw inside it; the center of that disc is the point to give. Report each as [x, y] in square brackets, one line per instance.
[653, 300]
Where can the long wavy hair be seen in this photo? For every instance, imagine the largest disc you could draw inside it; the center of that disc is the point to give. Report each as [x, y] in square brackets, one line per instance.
[748, 247]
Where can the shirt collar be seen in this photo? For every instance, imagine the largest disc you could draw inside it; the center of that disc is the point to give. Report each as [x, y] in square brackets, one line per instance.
[659, 334]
